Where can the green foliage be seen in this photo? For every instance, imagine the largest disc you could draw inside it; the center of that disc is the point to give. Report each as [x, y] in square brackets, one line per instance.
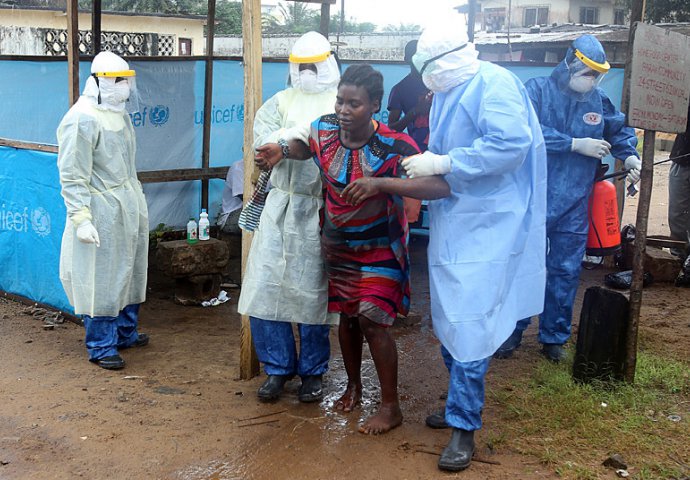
[663, 11]
[349, 26]
[291, 18]
[402, 28]
[572, 427]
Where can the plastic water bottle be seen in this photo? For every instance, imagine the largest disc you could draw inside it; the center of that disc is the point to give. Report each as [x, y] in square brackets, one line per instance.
[191, 232]
[204, 225]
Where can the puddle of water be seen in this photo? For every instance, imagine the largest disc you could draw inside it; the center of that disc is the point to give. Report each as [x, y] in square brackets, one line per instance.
[216, 470]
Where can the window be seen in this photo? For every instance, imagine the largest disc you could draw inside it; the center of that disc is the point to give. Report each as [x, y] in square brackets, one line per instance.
[185, 47]
[619, 16]
[536, 16]
[589, 15]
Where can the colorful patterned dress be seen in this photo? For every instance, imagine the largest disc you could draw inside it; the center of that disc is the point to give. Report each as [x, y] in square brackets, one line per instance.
[366, 245]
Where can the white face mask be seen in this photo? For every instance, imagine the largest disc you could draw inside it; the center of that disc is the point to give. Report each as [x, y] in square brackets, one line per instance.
[114, 95]
[582, 84]
[308, 81]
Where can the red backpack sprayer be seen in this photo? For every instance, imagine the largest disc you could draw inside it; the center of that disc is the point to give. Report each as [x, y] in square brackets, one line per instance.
[604, 237]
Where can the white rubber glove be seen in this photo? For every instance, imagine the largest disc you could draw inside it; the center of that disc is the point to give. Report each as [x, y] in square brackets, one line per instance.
[633, 164]
[591, 147]
[87, 233]
[426, 164]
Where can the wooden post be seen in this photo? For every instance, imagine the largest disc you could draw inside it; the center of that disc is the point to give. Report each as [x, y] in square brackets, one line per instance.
[251, 53]
[647, 172]
[325, 19]
[73, 50]
[646, 182]
[208, 98]
[96, 27]
[471, 15]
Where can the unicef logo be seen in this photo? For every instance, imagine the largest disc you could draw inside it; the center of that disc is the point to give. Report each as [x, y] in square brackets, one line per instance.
[159, 115]
[40, 221]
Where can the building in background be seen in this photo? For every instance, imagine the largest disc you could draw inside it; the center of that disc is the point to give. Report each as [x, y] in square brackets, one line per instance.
[43, 31]
[493, 15]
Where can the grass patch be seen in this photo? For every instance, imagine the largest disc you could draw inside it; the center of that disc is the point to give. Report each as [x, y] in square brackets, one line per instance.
[573, 427]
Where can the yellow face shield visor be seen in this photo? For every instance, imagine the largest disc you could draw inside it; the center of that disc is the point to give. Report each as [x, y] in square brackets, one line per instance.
[597, 67]
[313, 59]
[121, 73]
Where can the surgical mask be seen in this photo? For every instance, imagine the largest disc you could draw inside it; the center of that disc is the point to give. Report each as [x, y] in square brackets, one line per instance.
[582, 83]
[114, 95]
[308, 81]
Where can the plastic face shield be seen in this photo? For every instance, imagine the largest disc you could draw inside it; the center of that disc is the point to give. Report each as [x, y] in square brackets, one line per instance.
[129, 76]
[421, 63]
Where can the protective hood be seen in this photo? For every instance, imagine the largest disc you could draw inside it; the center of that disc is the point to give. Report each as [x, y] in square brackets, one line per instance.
[313, 48]
[445, 57]
[582, 69]
[112, 84]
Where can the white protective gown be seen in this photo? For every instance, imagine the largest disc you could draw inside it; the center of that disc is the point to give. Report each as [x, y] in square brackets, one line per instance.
[96, 161]
[487, 240]
[285, 278]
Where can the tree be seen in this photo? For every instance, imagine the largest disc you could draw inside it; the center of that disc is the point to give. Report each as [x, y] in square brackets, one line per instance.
[294, 18]
[663, 11]
[350, 25]
[402, 28]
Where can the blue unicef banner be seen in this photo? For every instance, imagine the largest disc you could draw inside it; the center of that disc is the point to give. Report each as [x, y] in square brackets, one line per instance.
[32, 218]
[170, 121]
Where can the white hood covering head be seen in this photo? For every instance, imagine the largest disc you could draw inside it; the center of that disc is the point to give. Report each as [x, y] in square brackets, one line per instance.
[105, 93]
[452, 68]
[313, 48]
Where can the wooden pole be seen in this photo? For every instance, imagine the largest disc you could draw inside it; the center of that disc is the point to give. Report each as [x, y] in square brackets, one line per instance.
[325, 19]
[73, 50]
[471, 15]
[647, 172]
[208, 98]
[251, 52]
[96, 27]
[646, 182]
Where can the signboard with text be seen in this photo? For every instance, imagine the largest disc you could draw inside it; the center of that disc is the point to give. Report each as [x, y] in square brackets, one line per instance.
[659, 79]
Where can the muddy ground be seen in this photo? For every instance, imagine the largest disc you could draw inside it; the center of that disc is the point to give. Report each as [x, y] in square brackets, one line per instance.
[178, 410]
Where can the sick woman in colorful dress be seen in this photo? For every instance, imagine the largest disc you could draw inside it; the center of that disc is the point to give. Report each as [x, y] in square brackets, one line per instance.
[364, 232]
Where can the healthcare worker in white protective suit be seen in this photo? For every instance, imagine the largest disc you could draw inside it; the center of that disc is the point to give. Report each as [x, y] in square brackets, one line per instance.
[285, 281]
[487, 240]
[104, 252]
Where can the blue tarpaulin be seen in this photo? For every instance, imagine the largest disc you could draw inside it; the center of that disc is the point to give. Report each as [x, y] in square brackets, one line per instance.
[169, 135]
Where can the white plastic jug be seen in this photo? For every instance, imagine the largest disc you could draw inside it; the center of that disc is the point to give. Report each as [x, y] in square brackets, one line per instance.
[204, 225]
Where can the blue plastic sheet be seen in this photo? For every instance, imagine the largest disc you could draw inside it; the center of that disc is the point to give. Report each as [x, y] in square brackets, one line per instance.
[32, 219]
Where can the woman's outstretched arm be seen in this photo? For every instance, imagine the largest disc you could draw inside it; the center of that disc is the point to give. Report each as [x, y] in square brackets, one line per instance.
[269, 154]
[422, 188]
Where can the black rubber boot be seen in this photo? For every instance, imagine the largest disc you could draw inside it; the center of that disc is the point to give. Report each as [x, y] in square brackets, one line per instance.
[310, 390]
[458, 453]
[437, 420]
[141, 341]
[553, 352]
[113, 362]
[272, 387]
[506, 350]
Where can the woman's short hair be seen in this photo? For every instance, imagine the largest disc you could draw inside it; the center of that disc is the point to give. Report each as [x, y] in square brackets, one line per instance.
[363, 75]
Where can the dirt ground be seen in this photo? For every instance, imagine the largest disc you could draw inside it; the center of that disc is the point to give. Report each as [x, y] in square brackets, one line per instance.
[178, 410]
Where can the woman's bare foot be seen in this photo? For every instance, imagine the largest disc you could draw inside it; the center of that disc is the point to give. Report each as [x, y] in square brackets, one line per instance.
[387, 418]
[350, 399]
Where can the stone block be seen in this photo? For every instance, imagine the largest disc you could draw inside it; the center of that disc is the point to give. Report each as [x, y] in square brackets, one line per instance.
[195, 289]
[663, 266]
[179, 259]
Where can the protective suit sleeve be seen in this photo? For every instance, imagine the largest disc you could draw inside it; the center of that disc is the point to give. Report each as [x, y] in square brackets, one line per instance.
[505, 136]
[555, 141]
[268, 122]
[621, 137]
[77, 138]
